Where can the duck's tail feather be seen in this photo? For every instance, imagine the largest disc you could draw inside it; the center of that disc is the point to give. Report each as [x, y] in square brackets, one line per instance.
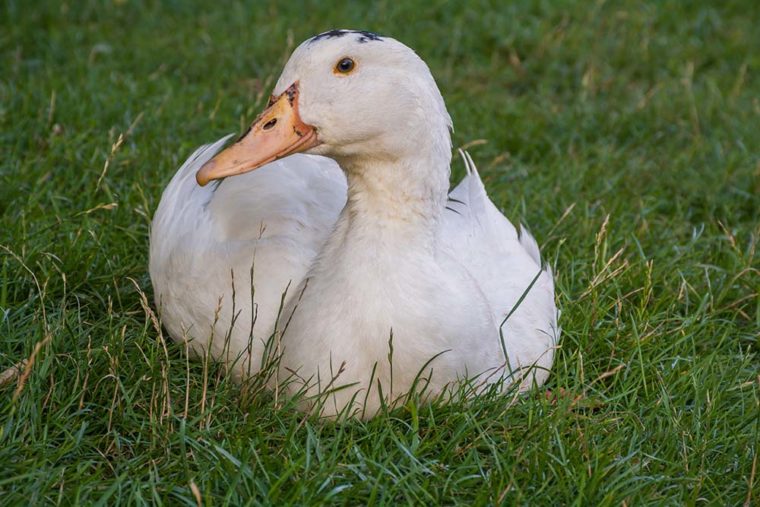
[529, 243]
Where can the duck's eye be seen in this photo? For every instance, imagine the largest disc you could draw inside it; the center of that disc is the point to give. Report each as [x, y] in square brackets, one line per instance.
[345, 65]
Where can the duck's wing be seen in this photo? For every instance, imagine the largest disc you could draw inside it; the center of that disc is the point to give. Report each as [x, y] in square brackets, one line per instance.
[506, 264]
[272, 221]
[299, 196]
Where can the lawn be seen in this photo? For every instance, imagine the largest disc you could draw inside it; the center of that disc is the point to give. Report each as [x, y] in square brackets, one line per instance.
[625, 134]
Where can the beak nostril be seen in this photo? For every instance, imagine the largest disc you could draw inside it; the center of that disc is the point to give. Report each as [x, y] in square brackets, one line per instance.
[268, 125]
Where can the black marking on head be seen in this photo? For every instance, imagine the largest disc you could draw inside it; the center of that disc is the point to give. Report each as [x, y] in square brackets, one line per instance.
[364, 36]
[329, 35]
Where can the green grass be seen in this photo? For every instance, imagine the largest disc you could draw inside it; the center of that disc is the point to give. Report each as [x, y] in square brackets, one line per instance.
[627, 135]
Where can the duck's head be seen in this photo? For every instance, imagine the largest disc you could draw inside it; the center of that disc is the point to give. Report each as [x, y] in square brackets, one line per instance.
[350, 95]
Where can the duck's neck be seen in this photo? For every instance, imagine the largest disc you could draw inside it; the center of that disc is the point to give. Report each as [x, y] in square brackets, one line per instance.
[394, 202]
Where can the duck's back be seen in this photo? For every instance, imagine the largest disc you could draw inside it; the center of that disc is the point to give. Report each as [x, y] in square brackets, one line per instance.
[223, 258]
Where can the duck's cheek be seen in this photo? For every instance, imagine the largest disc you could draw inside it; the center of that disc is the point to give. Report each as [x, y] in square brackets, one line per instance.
[331, 140]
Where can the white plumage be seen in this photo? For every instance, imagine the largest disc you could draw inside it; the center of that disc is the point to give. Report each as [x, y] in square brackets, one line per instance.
[352, 272]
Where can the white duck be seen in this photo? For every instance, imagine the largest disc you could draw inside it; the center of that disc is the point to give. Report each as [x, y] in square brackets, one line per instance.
[359, 286]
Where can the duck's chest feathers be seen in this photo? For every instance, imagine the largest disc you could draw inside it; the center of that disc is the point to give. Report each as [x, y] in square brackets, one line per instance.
[371, 287]
[387, 307]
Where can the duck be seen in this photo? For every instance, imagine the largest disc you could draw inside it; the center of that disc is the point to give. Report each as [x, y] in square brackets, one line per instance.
[326, 247]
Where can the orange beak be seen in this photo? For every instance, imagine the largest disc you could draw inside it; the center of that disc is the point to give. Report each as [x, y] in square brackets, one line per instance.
[276, 133]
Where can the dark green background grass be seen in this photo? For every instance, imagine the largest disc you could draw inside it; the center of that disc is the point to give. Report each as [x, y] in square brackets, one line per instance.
[625, 134]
